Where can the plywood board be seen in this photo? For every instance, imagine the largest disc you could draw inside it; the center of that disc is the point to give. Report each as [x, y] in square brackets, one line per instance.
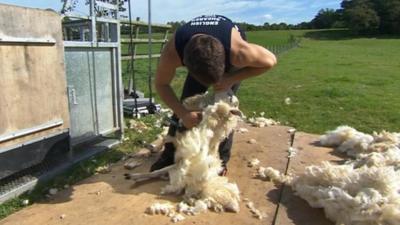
[32, 80]
[293, 209]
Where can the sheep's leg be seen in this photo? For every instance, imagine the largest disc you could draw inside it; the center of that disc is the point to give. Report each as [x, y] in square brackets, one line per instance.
[137, 177]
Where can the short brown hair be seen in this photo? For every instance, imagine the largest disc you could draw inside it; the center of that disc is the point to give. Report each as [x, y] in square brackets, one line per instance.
[204, 56]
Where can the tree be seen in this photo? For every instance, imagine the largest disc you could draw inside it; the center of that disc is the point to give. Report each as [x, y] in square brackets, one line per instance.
[360, 15]
[303, 25]
[325, 19]
[389, 14]
[176, 24]
[70, 5]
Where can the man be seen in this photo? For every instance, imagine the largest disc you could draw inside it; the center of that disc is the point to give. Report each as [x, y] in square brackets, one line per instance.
[216, 54]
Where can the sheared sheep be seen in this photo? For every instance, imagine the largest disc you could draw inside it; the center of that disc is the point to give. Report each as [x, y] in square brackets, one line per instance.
[197, 163]
[364, 190]
[197, 158]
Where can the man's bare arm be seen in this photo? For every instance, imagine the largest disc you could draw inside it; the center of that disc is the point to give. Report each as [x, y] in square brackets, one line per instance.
[166, 69]
[251, 58]
[169, 61]
[254, 60]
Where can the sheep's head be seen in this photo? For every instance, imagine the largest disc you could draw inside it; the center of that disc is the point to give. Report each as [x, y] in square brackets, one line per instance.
[221, 115]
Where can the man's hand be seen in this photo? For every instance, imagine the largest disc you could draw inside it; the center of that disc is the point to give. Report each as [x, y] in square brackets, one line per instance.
[191, 119]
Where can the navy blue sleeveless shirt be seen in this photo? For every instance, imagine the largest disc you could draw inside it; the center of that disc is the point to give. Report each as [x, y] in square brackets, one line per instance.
[217, 26]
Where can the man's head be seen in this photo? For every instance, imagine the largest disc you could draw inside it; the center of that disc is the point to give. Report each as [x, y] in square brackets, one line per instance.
[204, 56]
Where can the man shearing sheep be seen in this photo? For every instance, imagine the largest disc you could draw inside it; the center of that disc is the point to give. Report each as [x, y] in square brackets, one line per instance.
[216, 53]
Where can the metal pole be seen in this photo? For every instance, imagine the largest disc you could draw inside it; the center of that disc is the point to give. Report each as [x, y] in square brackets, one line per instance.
[131, 63]
[119, 83]
[150, 52]
[93, 21]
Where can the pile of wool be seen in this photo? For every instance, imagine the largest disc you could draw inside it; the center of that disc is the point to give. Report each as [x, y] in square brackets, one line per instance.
[197, 158]
[353, 143]
[253, 162]
[254, 211]
[364, 190]
[166, 209]
[261, 121]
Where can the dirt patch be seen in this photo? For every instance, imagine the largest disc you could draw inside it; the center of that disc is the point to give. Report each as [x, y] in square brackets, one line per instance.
[110, 199]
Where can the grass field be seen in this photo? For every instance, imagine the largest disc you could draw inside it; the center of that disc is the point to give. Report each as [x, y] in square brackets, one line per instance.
[331, 82]
[143, 48]
[333, 78]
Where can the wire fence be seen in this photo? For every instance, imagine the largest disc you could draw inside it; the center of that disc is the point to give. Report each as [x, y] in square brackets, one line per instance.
[291, 43]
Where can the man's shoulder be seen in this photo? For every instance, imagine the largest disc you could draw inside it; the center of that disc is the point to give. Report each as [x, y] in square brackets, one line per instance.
[238, 48]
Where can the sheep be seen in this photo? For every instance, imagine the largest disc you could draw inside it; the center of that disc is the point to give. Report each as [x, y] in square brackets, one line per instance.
[195, 173]
[197, 158]
[364, 190]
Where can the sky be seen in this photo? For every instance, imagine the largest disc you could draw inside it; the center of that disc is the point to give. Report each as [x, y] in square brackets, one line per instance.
[251, 11]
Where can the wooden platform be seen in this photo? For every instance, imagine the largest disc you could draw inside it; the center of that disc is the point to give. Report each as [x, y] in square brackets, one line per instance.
[109, 199]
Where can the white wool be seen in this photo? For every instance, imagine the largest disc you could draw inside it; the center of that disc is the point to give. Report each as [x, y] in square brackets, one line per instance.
[348, 195]
[355, 143]
[292, 152]
[256, 212]
[252, 141]
[199, 206]
[253, 162]
[262, 122]
[197, 157]
[273, 174]
[288, 101]
[336, 137]
[160, 208]
[177, 218]
[390, 157]
[384, 141]
[348, 140]
[362, 191]
[243, 130]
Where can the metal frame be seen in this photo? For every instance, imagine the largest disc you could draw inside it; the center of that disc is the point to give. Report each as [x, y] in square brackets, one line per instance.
[27, 41]
[115, 49]
[27, 131]
[31, 141]
[114, 122]
[30, 185]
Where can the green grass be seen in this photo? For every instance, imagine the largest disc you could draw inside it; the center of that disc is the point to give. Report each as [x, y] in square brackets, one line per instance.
[333, 78]
[273, 37]
[143, 48]
[331, 81]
